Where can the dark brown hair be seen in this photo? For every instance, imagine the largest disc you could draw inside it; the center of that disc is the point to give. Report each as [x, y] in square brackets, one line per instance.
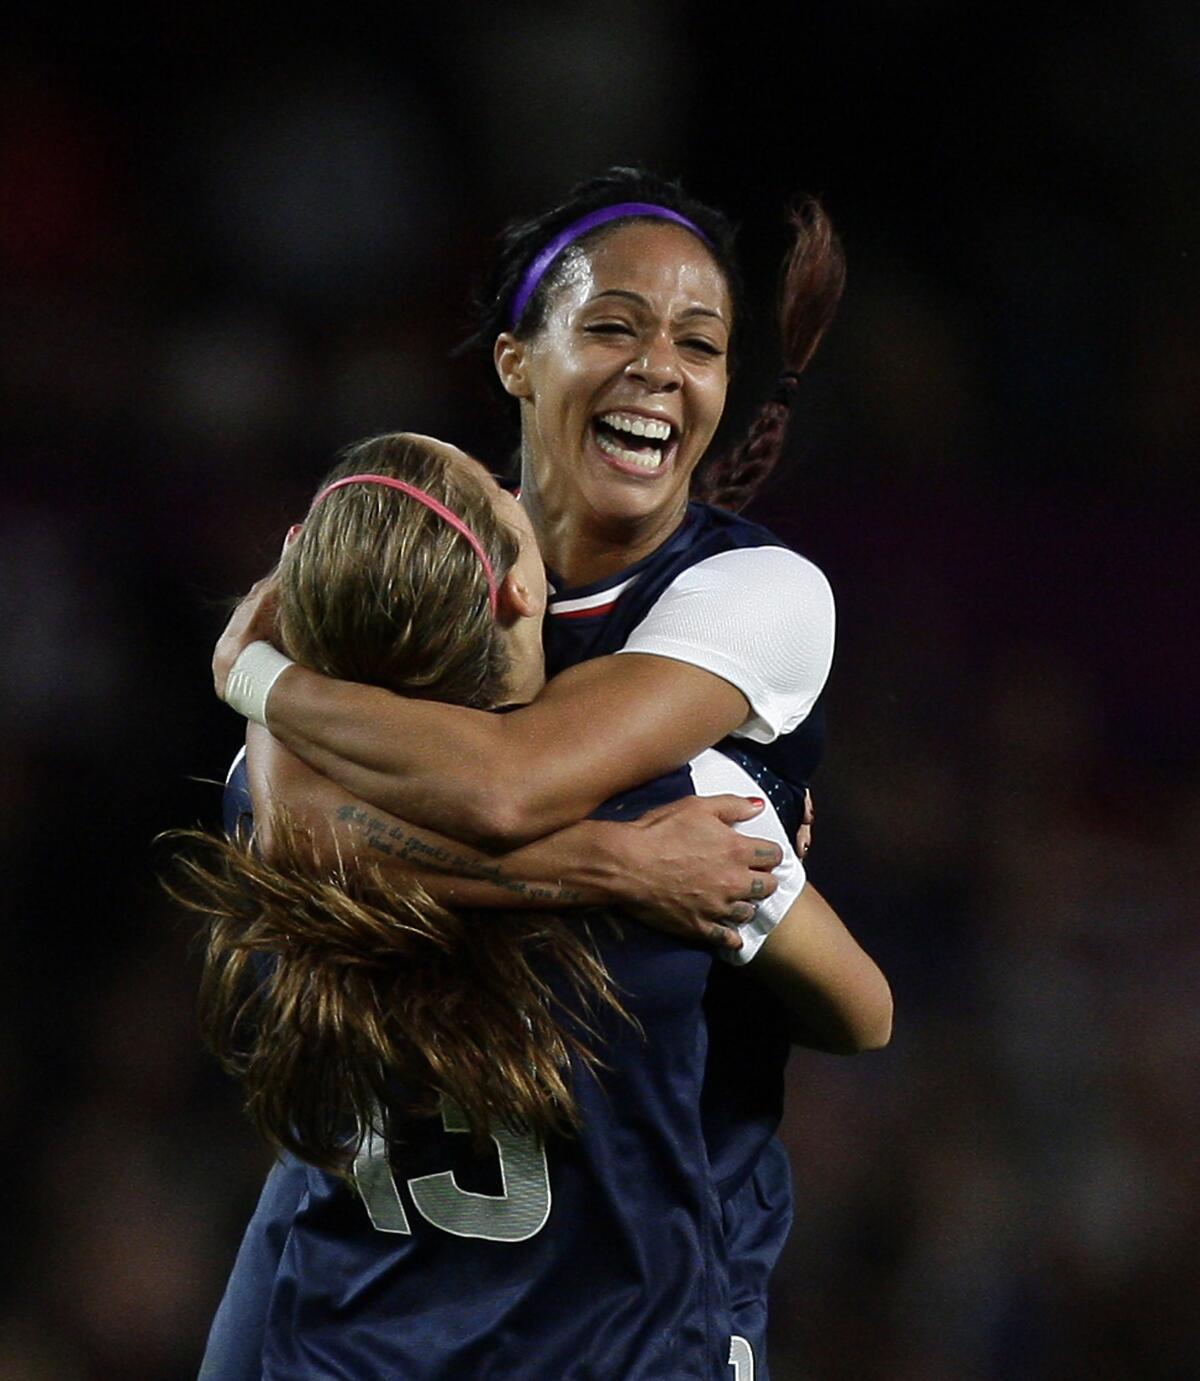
[811, 284]
[341, 998]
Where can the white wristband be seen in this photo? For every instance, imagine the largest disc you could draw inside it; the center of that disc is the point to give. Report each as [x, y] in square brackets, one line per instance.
[258, 667]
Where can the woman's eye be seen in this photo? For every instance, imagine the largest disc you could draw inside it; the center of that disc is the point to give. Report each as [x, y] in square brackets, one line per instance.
[608, 328]
[705, 347]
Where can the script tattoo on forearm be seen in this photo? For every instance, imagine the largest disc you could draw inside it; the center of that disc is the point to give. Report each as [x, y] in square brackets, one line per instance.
[396, 841]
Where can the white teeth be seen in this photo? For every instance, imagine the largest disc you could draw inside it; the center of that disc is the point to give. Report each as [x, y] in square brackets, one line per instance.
[637, 426]
[641, 459]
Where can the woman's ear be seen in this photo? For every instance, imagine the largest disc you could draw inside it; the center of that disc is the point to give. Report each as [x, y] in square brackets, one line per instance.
[516, 599]
[509, 357]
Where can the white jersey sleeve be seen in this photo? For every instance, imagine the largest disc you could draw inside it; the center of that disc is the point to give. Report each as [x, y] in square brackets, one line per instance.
[233, 766]
[713, 774]
[761, 618]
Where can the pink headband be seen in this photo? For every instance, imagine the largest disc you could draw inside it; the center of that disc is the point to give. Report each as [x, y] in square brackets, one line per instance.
[446, 514]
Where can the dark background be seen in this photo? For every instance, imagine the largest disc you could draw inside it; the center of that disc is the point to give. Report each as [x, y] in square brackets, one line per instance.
[229, 246]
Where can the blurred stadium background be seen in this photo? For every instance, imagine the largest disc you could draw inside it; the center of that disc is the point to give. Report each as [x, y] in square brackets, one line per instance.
[229, 245]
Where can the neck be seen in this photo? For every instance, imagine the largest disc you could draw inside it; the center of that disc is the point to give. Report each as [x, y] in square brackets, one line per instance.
[527, 664]
[583, 547]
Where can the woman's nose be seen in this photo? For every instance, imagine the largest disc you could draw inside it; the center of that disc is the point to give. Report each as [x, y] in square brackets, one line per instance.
[656, 364]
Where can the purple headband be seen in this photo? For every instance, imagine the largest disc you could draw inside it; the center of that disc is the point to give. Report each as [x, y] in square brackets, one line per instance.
[447, 515]
[576, 230]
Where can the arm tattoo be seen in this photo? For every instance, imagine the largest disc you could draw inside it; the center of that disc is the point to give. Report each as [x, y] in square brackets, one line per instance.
[397, 841]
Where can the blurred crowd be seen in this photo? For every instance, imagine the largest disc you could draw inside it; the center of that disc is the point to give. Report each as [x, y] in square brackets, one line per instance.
[222, 257]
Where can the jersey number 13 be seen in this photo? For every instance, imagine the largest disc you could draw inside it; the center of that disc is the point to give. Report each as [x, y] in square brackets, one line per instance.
[515, 1215]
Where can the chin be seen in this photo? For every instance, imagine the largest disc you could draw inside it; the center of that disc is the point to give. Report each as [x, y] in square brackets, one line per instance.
[623, 504]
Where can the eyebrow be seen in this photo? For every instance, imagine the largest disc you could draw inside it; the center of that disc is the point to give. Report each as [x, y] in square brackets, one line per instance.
[644, 302]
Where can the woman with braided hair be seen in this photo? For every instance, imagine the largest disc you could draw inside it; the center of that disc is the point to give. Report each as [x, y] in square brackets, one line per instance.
[674, 624]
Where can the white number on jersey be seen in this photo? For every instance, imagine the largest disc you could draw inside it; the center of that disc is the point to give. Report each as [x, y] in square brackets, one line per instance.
[519, 1212]
[741, 1359]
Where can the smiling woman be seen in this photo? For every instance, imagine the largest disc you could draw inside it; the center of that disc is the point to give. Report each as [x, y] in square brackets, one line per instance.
[621, 391]
[673, 626]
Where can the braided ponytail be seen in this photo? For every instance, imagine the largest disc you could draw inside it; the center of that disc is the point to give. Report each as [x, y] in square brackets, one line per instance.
[813, 276]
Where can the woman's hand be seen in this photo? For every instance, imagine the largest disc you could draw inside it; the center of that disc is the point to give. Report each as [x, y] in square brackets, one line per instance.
[681, 868]
[804, 833]
[252, 621]
[684, 870]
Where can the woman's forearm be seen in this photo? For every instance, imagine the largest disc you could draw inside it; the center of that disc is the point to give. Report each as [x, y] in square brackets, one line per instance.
[834, 993]
[417, 759]
[505, 779]
[686, 870]
[342, 826]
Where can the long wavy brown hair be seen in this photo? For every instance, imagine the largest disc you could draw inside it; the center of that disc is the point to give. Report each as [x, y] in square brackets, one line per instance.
[343, 998]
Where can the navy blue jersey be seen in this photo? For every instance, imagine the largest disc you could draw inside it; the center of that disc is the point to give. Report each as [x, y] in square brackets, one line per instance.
[748, 1040]
[736, 1110]
[235, 1339]
[597, 619]
[599, 1256]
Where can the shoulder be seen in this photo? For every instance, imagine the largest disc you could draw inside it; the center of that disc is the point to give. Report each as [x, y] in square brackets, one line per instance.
[761, 592]
[759, 616]
[750, 571]
[729, 551]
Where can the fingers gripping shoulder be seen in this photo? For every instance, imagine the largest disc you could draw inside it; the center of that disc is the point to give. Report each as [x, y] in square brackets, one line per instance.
[714, 774]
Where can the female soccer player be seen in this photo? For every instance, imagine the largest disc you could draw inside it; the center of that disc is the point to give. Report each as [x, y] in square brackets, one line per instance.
[602, 1254]
[679, 625]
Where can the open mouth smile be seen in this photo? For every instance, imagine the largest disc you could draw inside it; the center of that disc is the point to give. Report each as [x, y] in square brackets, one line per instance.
[635, 441]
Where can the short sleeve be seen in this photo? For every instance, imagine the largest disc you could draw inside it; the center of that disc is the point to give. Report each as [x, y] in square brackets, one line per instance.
[713, 774]
[761, 618]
